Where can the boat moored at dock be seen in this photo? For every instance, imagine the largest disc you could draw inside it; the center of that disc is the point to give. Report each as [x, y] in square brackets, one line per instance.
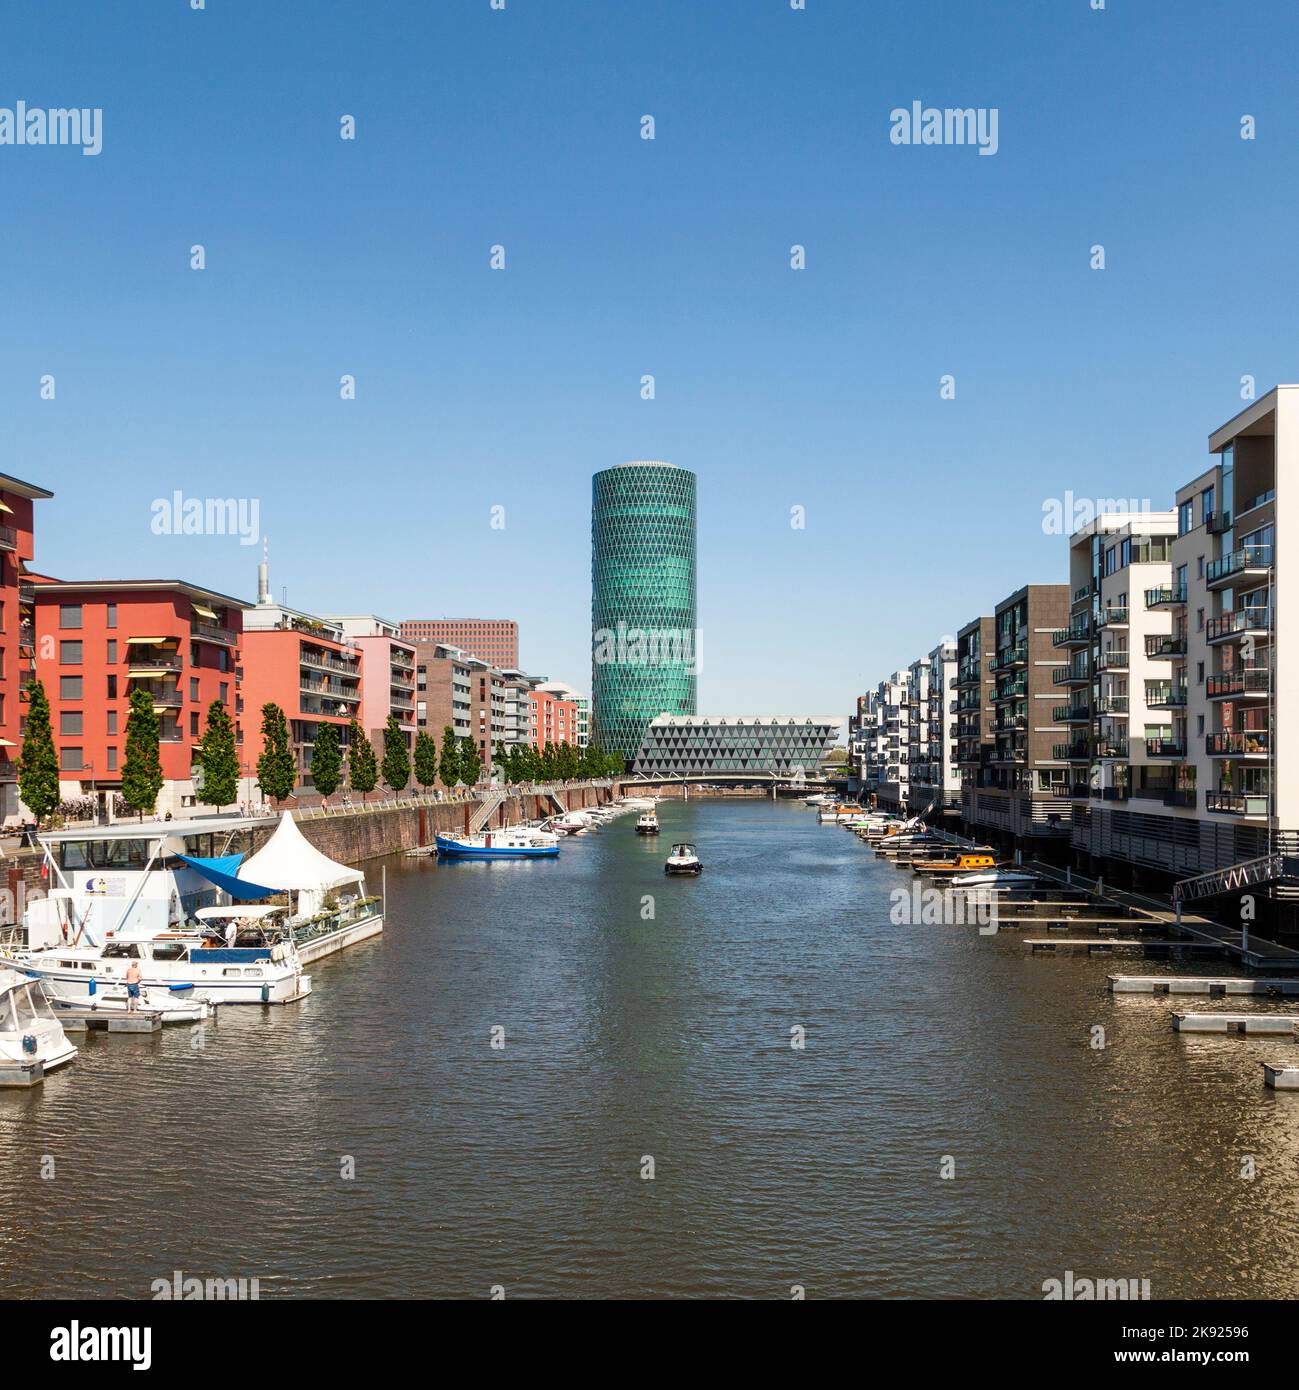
[32, 1040]
[520, 842]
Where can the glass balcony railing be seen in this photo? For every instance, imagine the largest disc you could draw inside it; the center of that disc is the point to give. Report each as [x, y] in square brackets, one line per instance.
[1165, 748]
[1236, 684]
[1250, 743]
[1238, 803]
[1252, 619]
[1166, 645]
[1166, 597]
[1114, 616]
[1243, 560]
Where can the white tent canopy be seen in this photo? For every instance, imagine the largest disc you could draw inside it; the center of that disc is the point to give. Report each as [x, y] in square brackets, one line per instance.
[288, 862]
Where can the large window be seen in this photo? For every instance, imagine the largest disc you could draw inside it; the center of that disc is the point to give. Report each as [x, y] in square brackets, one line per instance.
[69, 615]
[70, 721]
[70, 653]
[70, 759]
[69, 687]
[1185, 517]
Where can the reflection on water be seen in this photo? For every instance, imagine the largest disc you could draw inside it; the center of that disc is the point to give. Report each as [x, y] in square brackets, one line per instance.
[646, 1016]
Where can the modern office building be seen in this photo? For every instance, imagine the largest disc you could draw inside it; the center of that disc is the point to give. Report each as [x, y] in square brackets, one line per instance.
[493, 640]
[97, 641]
[645, 649]
[17, 625]
[736, 747]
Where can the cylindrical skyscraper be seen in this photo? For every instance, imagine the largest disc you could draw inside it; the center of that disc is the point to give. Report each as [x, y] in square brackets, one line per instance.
[645, 649]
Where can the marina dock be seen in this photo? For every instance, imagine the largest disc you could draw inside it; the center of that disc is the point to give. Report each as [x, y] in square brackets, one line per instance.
[1275, 1025]
[77, 1019]
[1202, 984]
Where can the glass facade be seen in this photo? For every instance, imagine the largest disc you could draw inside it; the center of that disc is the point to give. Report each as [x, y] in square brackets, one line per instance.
[720, 747]
[644, 636]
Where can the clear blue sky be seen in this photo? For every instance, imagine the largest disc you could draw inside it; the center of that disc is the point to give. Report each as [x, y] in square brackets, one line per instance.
[671, 257]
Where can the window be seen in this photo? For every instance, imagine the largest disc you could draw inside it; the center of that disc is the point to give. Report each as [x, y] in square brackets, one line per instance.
[112, 654]
[1199, 620]
[70, 721]
[1206, 504]
[112, 721]
[112, 687]
[110, 615]
[70, 653]
[69, 687]
[1199, 723]
[1199, 672]
[1185, 517]
[69, 616]
[1199, 566]
[193, 687]
[70, 760]
[193, 723]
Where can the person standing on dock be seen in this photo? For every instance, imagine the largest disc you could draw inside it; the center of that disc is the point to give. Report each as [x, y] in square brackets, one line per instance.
[133, 987]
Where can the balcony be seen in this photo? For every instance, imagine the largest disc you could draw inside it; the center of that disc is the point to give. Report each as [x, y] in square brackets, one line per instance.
[1243, 563]
[1011, 690]
[1082, 593]
[1077, 634]
[1010, 723]
[1166, 597]
[1112, 705]
[1111, 793]
[1216, 523]
[1247, 684]
[1183, 796]
[1112, 748]
[8, 538]
[1008, 658]
[1072, 714]
[1114, 616]
[1167, 696]
[1112, 660]
[1251, 743]
[1069, 675]
[166, 699]
[1009, 755]
[1227, 803]
[1079, 751]
[1166, 646]
[148, 664]
[1256, 620]
[213, 632]
[1165, 748]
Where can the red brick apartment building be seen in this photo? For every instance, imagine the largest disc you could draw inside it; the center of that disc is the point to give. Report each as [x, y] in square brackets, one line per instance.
[98, 640]
[17, 629]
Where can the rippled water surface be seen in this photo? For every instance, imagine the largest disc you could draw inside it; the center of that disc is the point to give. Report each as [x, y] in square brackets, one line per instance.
[630, 1035]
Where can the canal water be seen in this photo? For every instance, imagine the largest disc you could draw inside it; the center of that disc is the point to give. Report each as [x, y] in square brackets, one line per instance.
[649, 1020]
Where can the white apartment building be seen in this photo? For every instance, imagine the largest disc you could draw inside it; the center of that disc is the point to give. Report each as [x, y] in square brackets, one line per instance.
[888, 765]
[935, 772]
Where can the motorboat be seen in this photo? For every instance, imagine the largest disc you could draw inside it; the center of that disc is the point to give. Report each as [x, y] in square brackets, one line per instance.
[819, 799]
[964, 863]
[647, 823]
[996, 878]
[517, 842]
[683, 860]
[32, 1040]
[179, 1004]
[571, 823]
[838, 815]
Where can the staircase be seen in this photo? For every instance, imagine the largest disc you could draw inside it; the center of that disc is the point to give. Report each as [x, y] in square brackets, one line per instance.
[1278, 873]
[485, 811]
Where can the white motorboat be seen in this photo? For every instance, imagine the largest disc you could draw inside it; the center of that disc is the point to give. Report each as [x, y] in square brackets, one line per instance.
[647, 823]
[32, 1040]
[819, 799]
[996, 878]
[683, 860]
[124, 892]
[171, 1005]
[571, 823]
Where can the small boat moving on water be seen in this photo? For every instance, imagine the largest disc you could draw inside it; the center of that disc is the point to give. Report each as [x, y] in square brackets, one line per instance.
[648, 824]
[32, 1040]
[683, 860]
[519, 842]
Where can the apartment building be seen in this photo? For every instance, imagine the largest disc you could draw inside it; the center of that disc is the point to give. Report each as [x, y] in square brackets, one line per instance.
[974, 710]
[552, 719]
[888, 759]
[307, 665]
[443, 689]
[493, 640]
[1025, 789]
[97, 641]
[935, 773]
[17, 625]
[384, 654]
[581, 702]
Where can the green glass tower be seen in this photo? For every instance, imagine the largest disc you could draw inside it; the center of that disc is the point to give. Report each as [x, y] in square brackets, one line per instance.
[645, 651]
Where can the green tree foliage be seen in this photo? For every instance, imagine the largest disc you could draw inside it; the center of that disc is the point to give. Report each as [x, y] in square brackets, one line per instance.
[396, 755]
[277, 773]
[449, 762]
[142, 767]
[326, 760]
[471, 765]
[426, 758]
[362, 765]
[219, 758]
[38, 763]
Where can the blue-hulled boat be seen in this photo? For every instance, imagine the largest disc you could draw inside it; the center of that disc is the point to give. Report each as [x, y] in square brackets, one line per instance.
[518, 842]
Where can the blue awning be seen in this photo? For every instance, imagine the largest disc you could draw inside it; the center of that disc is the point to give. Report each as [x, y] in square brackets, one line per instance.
[222, 872]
